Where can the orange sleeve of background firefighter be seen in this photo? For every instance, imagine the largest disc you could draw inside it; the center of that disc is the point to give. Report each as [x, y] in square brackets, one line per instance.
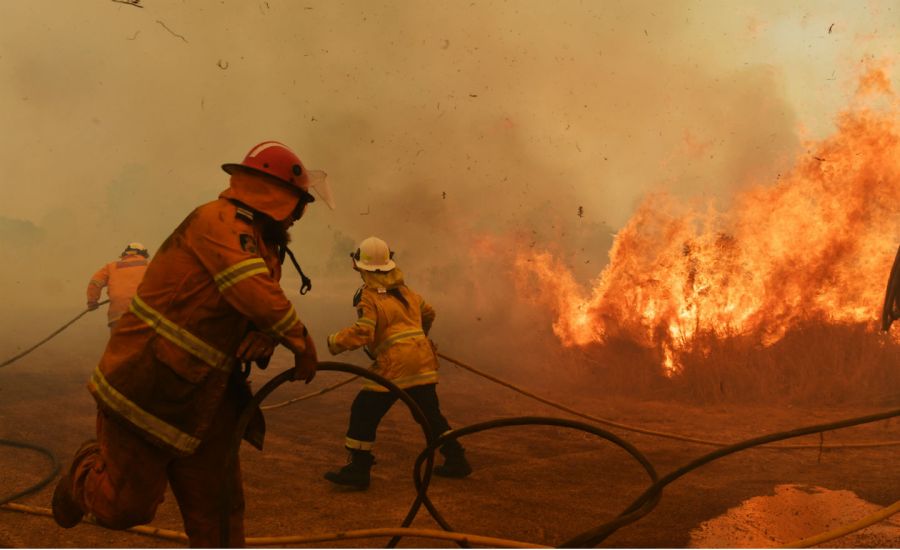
[360, 333]
[227, 248]
[96, 284]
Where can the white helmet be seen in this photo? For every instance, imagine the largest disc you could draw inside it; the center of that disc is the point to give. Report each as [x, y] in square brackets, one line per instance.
[373, 254]
[135, 248]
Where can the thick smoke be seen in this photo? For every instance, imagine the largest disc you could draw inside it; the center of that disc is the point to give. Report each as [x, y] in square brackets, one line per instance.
[439, 123]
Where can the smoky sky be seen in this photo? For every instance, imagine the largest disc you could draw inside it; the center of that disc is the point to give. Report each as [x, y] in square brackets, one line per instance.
[437, 122]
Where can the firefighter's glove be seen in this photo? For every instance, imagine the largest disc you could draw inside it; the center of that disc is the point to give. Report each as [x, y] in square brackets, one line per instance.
[305, 361]
[92, 306]
[256, 345]
[333, 347]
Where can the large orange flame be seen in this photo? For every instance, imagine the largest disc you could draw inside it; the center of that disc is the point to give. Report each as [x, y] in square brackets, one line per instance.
[814, 246]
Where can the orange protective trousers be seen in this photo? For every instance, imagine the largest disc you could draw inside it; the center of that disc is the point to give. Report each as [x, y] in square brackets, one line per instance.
[122, 480]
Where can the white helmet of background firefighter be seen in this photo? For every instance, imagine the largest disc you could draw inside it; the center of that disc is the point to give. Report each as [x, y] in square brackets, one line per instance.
[373, 254]
[287, 186]
[135, 249]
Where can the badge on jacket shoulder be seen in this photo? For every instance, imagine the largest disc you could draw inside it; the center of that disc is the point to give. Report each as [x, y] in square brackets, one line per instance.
[248, 243]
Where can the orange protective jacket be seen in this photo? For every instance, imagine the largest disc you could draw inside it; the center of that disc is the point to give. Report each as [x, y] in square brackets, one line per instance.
[394, 333]
[121, 279]
[170, 357]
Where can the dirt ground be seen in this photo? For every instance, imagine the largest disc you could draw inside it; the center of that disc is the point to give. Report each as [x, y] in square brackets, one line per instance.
[534, 484]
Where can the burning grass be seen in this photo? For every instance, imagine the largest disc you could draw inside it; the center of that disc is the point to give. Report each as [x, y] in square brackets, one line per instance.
[776, 297]
[814, 364]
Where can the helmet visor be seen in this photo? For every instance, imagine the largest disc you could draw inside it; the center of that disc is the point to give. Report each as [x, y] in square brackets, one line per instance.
[318, 183]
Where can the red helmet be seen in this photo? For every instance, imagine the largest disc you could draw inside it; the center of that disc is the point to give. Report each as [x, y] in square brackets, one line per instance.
[275, 159]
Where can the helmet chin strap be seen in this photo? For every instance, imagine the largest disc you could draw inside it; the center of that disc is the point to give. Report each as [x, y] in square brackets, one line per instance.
[305, 282]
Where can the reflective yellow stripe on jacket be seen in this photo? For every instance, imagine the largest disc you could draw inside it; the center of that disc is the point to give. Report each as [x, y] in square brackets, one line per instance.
[399, 337]
[281, 327]
[365, 321]
[159, 429]
[179, 336]
[232, 275]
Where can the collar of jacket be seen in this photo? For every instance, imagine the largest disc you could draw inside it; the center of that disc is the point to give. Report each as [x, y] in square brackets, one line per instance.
[381, 279]
[262, 194]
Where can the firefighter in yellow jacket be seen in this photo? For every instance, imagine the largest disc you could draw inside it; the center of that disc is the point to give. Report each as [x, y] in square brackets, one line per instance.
[169, 387]
[393, 324]
[121, 279]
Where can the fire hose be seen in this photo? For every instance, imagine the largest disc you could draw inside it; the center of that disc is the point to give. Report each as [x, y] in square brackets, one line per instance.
[426, 457]
[50, 337]
[23, 445]
[597, 419]
[638, 509]
[665, 435]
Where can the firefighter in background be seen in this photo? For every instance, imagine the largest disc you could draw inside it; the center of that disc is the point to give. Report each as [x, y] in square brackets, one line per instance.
[169, 387]
[393, 323]
[121, 279]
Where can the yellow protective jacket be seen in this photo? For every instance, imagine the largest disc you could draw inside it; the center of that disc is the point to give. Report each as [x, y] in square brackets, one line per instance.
[121, 279]
[171, 357]
[395, 334]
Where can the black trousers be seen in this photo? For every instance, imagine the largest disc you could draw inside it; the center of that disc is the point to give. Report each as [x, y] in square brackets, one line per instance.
[369, 408]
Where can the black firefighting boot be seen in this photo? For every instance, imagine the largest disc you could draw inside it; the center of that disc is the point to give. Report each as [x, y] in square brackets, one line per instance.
[356, 472]
[66, 511]
[455, 463]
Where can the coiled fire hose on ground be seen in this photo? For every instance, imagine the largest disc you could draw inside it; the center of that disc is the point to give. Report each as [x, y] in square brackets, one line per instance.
[426, 457]
[23, 445]
[641, 507]
[54, 469]
[638, 509]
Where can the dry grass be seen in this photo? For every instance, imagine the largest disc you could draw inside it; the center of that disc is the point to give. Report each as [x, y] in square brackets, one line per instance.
[813, 364]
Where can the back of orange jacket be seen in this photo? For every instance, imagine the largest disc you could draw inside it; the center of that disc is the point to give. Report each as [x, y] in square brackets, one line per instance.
[169, 359]
[121, 279]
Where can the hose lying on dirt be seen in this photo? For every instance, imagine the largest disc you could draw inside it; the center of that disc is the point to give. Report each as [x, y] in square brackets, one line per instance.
[845, 530]
[425, 457]
[642, 506]
[23, 445]
[644, 431]
[595, 536]
[48, 338]
[270, 386]
[519, 421]
[40, 484]
[294, 540]
[638, 509]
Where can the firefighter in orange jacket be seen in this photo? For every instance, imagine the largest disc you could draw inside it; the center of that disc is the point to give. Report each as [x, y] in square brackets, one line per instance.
[121, 279]
[393, 324]
[168, 387]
